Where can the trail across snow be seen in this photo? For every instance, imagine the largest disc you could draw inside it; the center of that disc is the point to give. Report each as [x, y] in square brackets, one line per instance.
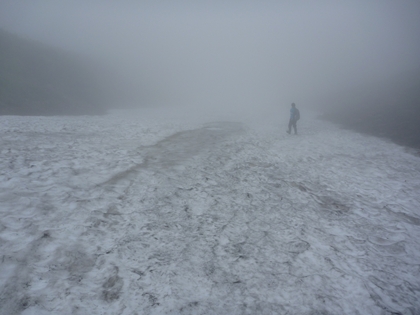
[116, 215]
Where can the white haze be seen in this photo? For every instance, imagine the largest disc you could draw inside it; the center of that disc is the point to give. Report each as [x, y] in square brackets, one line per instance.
[230, 55]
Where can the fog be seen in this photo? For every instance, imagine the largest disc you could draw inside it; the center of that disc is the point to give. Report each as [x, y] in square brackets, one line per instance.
[198, 201]
[230, 55]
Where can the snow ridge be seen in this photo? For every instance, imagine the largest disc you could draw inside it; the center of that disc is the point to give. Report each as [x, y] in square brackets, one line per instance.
[106, 217]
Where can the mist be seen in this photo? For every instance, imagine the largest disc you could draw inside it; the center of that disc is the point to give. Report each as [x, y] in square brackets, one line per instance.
[147, 168]
[236, 56]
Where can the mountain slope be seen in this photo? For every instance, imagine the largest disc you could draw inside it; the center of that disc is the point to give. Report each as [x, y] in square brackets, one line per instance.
[36, 79]
[389, 109]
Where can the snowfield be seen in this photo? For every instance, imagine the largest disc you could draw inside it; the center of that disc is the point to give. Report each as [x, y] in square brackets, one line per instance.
[139, 214]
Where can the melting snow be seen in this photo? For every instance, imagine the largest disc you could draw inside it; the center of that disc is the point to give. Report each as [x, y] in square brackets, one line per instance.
[129, 215]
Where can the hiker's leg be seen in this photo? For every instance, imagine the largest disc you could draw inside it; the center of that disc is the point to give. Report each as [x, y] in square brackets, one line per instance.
[294, 127]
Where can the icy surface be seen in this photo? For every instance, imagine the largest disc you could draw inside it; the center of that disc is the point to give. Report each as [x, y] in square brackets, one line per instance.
[124, 215]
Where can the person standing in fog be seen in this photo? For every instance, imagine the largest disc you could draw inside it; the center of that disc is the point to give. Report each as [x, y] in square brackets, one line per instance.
[294, 117]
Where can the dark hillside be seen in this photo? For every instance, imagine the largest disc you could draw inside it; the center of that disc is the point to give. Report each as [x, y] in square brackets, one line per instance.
[389, 109]
[36, 79]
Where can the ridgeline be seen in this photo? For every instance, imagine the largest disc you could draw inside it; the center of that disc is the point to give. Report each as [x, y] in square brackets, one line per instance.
[388, 109]
[36, 79]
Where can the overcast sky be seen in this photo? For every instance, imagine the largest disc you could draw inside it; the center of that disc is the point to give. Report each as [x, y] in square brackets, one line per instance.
[239, 53]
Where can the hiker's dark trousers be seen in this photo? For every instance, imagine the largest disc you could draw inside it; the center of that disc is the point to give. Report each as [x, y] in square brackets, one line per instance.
[292, 123]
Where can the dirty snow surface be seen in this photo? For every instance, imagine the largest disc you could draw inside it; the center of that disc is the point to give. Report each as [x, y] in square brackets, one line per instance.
[143, 215]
